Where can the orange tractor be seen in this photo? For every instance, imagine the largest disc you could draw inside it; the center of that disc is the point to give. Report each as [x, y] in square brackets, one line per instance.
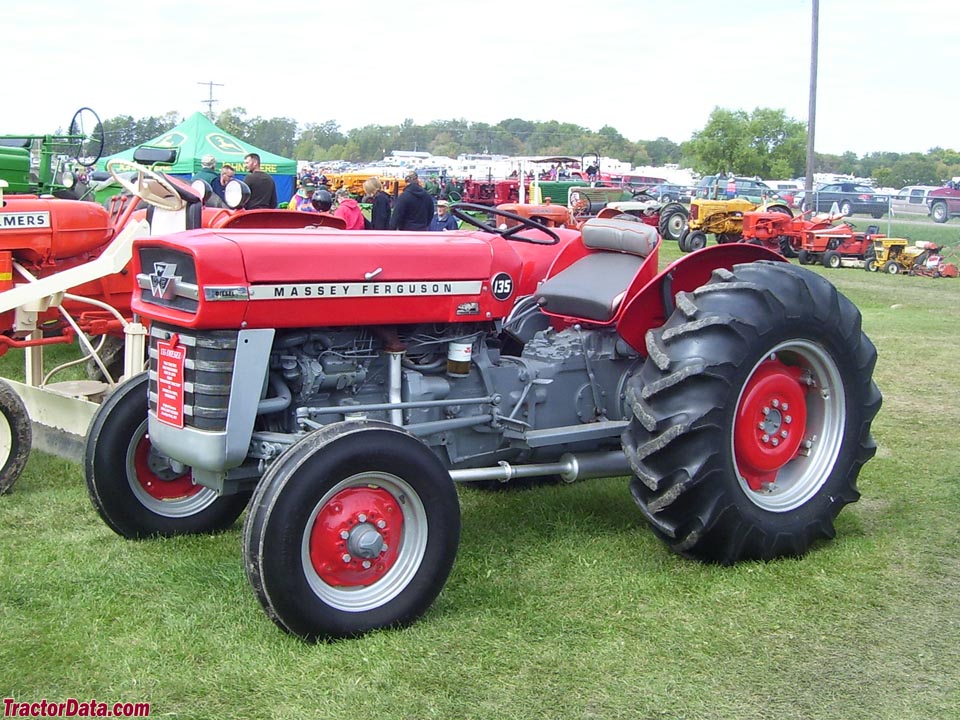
[811, 239]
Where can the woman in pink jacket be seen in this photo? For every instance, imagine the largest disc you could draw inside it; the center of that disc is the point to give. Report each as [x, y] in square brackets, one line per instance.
[349, 210]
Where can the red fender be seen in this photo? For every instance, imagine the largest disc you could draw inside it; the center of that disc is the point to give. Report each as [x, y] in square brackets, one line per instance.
[646, 310]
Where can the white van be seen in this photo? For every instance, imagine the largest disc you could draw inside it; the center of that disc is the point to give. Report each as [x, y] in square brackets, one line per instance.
[911, 199]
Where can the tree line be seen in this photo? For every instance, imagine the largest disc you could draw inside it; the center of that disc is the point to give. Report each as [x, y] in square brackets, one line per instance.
[765, 143]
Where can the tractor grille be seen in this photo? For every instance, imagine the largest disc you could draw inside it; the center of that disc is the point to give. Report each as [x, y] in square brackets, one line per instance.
[207, 372]
[168, 279]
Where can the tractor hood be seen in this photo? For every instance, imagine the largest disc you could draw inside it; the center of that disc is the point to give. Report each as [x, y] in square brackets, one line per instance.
[291, 278]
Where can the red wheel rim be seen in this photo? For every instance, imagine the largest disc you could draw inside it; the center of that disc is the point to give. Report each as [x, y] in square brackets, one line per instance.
[175, 487]
[770, 422]
[355, 538]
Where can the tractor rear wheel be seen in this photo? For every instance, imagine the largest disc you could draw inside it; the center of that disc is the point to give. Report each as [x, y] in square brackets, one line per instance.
[831, 259]
[16, 436]
[353, 528]
[673, 221]
[138, 492]
[891, 267]
[751, 415]
[786, 247]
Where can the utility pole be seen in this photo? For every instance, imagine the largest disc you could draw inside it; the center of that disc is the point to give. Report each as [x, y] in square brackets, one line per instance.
[210, 101]
[812, 108]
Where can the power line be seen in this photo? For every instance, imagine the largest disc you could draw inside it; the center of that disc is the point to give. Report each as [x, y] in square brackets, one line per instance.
[209, 103]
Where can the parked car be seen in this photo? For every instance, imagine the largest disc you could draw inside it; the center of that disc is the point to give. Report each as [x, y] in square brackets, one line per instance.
[667, 192]
[944, 202]
[850, 198]
[786, 189]
[715, 187]
[912, 199]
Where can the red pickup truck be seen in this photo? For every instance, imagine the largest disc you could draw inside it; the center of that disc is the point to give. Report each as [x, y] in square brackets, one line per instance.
[944, 203]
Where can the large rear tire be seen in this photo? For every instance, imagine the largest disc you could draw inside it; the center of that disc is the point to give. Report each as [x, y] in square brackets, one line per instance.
[135, 489]
[673, 221]
[353, 528]
[16, 436]
[751, 415]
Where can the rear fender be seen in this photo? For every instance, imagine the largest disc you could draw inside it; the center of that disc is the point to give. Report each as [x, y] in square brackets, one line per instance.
[655, 301]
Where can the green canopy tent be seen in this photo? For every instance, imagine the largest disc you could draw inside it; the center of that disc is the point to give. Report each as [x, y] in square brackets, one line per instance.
[198, 136]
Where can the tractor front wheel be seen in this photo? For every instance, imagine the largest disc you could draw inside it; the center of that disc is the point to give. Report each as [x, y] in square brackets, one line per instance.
[803, 257]
[139, 492]
[16, 436]
[891, 267]
[353, 528]
[751, 415]
[831, 259]
[696, 240]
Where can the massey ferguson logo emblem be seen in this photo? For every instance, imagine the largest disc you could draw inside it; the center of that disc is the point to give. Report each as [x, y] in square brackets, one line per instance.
[163, 282]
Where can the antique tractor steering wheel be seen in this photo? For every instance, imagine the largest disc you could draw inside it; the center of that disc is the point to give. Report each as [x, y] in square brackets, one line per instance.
[150, 186]
[458, 210]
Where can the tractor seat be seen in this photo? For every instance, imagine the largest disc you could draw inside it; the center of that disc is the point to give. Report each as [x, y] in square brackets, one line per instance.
[593, 287]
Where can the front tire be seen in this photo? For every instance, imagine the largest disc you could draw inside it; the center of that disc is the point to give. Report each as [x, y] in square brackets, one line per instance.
[891, 267]
[769, 352]
[831, 259]
[353, 528]
[135, 489]
[696, 240]
[846, 208]
[16, 436]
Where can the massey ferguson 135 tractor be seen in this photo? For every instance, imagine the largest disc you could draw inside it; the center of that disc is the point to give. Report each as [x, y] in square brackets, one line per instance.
[340, 385]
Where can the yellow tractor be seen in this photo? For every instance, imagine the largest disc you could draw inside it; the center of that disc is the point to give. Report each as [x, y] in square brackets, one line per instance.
[723, 218]
[896, 255]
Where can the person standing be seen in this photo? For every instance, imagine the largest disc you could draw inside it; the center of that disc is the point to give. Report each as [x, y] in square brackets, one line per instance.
[380, 212]
[207, 171]
[348, 210]
[302, 199]
[414, 208]
[263, 191]
[219, 184]
[443, 220]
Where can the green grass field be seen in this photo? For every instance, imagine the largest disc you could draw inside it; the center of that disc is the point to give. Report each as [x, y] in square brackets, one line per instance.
[562, 603]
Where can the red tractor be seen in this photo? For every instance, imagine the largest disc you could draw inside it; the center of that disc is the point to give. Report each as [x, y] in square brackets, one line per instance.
[339, 385]
[811, 239]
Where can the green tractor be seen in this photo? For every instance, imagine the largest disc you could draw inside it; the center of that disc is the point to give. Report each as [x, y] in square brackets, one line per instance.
[52, 164]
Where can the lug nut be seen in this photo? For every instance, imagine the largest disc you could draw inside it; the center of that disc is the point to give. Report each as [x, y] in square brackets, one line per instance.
[765, 438]
[361, 517]
[788, 418]
[381, 524]
[785, 407]
[366, 564]
[783, 434]
[775, 442]
[344, 534]
[776, 403]
[766, 411]
[346, 557]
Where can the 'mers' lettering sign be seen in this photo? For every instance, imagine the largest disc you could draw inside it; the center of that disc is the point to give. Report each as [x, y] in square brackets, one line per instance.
[408, 288]
[21, 220]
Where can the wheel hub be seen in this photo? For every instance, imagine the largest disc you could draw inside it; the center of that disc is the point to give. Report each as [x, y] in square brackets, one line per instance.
[355, 538]
[158, 478]
[770, 423]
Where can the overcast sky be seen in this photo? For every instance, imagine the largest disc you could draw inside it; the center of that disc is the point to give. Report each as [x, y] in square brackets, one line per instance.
[648, 69]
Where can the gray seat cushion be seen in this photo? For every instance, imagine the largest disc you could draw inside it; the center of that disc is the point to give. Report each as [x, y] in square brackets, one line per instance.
[593, 287]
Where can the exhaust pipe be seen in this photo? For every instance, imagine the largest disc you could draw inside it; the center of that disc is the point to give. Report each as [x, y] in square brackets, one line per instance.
[570, 467]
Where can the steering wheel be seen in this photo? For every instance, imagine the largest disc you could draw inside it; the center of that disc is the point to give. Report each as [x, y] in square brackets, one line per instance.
[458, 210]
[86, 137]
[150, 186]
